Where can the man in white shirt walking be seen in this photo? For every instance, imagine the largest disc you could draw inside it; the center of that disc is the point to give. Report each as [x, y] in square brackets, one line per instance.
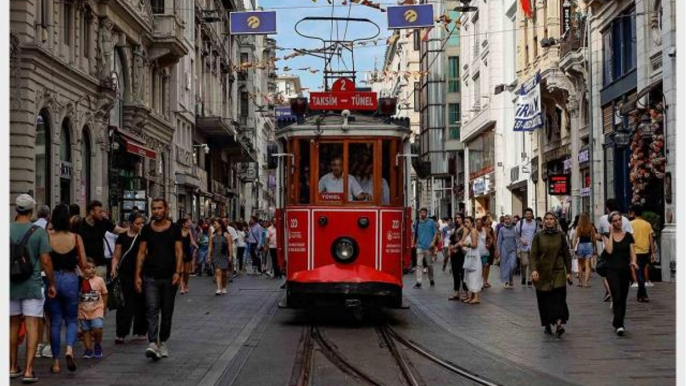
[526, 229]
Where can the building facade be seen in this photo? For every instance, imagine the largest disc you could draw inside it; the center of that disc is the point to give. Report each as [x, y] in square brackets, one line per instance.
[633, 86]
[124, 101]
[487, 113]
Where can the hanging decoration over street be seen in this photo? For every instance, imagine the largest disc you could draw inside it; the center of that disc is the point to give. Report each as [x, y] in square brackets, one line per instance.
[528, 115]
[526, 8]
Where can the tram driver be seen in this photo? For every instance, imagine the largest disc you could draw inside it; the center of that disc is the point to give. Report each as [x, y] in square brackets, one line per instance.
[332, 182]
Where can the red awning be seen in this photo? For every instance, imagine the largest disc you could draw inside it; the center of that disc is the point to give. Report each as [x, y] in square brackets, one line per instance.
[134, 146]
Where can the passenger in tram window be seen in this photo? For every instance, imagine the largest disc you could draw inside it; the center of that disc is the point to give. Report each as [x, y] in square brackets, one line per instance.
[332, 182]
[305, 186]
[366, 180]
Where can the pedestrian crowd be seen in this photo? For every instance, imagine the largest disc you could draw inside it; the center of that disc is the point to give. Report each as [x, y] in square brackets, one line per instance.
[548, 254]
[68, 271]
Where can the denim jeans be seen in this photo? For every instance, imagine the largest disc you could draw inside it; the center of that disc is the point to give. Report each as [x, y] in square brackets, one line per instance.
[63, 307]
[159, 298]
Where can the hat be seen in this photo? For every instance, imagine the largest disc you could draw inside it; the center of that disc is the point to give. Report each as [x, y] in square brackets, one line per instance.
[25, 203]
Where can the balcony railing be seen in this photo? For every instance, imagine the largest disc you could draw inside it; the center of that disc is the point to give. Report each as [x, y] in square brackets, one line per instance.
[573, 39]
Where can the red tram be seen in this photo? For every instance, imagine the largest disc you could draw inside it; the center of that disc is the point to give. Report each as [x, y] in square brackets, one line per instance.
[343, 209]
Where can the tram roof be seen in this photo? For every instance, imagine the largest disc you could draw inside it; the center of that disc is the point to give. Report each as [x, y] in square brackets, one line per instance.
[331, 125]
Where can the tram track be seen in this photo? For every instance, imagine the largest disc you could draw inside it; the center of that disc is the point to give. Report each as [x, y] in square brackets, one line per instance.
[313, 341]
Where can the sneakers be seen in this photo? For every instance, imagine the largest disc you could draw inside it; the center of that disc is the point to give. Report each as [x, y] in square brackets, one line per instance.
[635, 285]
[224, 291]
[417, 285]
[218, 292]
[164, 351]
[118, 340]
[620, 331]
[47, 351]
[649, 284]
[88, 354]
[97, 353]
[39, 350]
[432, 283]
[153, 352]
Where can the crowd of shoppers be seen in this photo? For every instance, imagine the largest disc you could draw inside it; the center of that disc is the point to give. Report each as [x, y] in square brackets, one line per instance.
[73, 258]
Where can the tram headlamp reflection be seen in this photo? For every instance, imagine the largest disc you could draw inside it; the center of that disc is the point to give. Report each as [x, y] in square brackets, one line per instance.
[344, 250]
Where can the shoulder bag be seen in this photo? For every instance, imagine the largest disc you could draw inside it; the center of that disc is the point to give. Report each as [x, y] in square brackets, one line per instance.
[116, 299]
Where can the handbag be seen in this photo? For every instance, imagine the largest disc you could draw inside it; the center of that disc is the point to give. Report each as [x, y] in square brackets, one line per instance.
[601, 266]
[116, 299]
[471, 261]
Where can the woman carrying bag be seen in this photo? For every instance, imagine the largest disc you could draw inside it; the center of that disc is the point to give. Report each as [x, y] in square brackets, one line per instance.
[472, 262]
[619, 260]
[551, 266]
[124, 268]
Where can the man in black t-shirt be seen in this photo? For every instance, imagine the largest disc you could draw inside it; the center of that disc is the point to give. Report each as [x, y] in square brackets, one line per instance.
[92, 230]
[160, 261]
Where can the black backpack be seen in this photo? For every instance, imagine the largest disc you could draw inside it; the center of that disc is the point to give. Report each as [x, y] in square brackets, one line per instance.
[21, 266]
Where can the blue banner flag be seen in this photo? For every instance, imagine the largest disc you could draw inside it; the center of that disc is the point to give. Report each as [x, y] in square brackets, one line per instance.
[252, 23]
[528, 115]
[410, 16]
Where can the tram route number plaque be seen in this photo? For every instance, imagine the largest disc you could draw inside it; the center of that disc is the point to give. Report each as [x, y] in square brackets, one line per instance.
[343, 95]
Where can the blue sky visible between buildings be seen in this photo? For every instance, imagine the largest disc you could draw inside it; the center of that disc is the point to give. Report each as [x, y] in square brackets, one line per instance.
[289, 12]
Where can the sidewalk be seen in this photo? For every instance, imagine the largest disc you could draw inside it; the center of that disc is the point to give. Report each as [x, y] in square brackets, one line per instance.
[207, 332]
[506, 323]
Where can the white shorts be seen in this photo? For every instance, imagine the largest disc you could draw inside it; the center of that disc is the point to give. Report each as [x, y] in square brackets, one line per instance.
[27, 307]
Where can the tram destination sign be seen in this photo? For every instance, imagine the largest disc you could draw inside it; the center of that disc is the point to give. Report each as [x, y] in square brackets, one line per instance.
[343, 96]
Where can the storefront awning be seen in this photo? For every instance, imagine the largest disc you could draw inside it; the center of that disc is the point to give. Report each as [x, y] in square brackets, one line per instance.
[630, 105]
[134, 146]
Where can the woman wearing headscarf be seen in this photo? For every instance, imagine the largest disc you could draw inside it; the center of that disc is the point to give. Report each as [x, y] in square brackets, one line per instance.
[506, 249]
[551, 266]
[621, 259]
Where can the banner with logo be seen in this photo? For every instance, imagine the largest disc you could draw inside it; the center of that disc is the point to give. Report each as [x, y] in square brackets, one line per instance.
[252, 23]
[528, 115]
[410, 16]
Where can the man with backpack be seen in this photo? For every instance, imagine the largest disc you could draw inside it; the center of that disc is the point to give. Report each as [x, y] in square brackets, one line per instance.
[29, 253]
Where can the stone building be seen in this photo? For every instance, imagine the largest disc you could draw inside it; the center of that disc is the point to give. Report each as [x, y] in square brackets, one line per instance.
[90, 116]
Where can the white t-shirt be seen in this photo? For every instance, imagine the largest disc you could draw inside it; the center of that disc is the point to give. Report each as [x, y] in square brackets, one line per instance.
[604, 225]
[41, 222]
[111, 240]
[233, 233]
[271, 235]
[240, 241]
[330, 184]
[367, 186]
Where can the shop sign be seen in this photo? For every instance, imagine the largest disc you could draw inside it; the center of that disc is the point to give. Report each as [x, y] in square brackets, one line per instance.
[585, 192]
[567, 164]
[528, 114]
[584, 156]
[534, 169]
[566, 16]
[66, 170]
[514, 174]
[558, 184]
[480, 186]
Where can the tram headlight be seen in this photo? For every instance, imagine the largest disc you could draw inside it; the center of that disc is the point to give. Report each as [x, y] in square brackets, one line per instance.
[344, 250]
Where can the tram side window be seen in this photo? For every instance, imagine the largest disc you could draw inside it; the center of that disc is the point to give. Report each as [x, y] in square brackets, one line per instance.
[304, 172]
[361, 168]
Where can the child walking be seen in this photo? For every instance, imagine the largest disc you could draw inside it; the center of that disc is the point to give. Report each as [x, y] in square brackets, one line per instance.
[92, 311]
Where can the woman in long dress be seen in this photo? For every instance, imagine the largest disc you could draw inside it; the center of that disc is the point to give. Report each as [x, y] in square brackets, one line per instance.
[551, 270]
[472, 264]
[506, 250]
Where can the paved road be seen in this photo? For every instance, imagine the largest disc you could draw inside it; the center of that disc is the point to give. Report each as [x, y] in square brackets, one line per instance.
[243, 339]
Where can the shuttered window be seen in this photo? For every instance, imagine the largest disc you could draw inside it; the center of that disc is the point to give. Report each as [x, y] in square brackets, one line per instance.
[607, 119]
